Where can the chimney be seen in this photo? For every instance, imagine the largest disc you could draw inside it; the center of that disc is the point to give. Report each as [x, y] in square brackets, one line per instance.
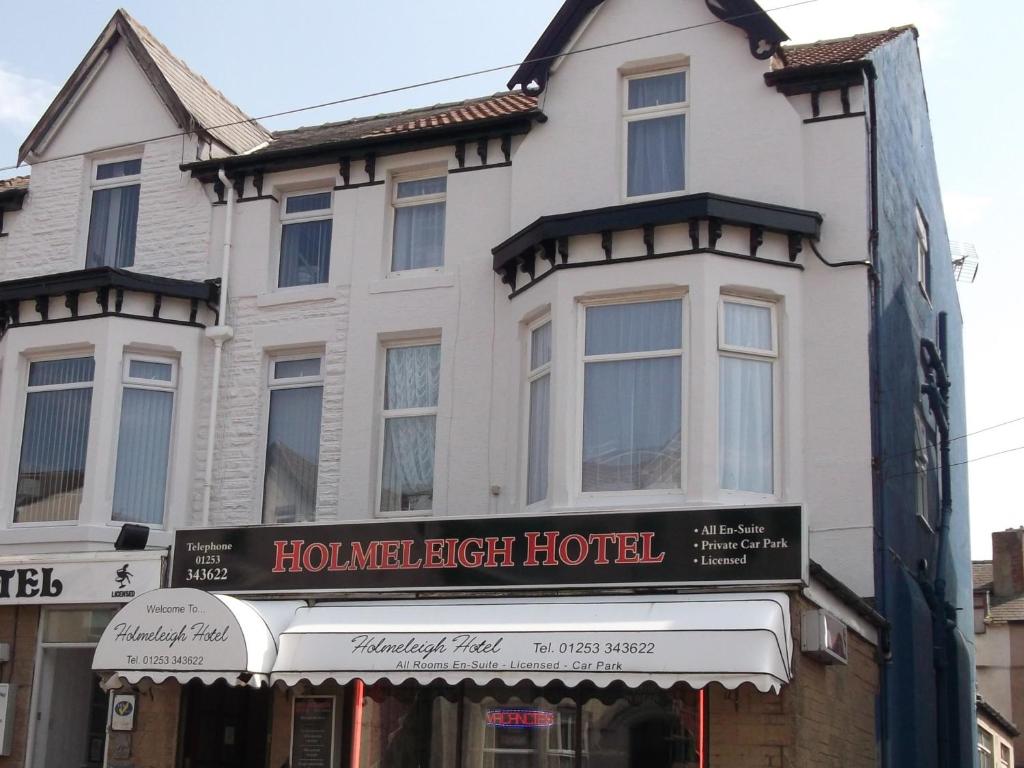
[1008, 562]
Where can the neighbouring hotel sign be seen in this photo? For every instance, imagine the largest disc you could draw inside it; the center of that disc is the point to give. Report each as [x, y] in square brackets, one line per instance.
[79, 577]
[744, 545]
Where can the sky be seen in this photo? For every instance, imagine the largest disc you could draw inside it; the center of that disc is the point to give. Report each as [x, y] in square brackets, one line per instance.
[271, 56]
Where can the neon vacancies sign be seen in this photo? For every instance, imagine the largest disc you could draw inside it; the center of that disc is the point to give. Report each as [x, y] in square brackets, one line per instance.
[665, 548]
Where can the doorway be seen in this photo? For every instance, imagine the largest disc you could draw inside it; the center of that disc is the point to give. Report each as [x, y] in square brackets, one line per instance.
[225, 727]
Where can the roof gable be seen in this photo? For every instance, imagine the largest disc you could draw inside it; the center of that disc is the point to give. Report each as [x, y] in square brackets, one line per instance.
[192, 101]
[763, 34]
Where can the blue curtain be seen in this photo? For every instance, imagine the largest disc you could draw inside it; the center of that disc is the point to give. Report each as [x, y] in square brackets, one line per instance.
[112, 225]
[143, 451]
[305, 253]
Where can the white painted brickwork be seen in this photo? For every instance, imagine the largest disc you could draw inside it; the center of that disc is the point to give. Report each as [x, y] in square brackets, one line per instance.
[239, 452]
[49, 234]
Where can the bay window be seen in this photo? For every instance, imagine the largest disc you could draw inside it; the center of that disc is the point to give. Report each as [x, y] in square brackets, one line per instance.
[411, 385]
[632, 396]
[114, 215]
[293, 439]
[539, 426]
[747, 352]
[144, 440]
[655, 124]
[305, 240]
[418, 238]
[54, 440]
[986, 759]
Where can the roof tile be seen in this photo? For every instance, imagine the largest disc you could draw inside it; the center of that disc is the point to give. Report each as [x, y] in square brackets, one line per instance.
[15, 182]
[837, 51]
[212, 109]
[411, 121]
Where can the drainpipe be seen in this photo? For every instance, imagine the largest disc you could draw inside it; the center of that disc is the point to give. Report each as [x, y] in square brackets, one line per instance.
[218, 334]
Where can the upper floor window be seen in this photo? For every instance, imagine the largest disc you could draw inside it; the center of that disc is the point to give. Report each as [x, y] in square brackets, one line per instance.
[985, 744]
[747, 352]
[293, 439]
[926, 466]
[924, 263]
[54, 440]
[1004, 756]
[655, 116]
[539, 426]
[418, 240]
[144, 440]
[411, 386]
[114, 217]
[305, 240]
[632, 396]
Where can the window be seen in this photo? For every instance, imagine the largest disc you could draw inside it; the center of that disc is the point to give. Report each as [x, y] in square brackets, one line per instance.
[115, 214]
[632, 396]
[1004, 756]
[293, 439]
[655, 115]
[747, 351]
[924, 264]
[305, 240]
[926, 466]
[54, 441]
[411, 383]
[985, 756]
[418, 241]
[144, 441]
[540, 414]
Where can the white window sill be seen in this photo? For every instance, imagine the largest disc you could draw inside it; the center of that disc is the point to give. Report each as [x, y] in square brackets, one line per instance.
[403, 514]
[297, 295]
[412, 282]
[653, 196]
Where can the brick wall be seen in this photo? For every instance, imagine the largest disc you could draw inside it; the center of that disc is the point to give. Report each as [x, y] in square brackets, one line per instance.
[48, 234]
[154, 743]
[19, 626]
[242, 408]
[825, 717]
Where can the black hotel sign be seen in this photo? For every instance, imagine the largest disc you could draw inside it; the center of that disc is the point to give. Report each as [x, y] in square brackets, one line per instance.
[609, 549]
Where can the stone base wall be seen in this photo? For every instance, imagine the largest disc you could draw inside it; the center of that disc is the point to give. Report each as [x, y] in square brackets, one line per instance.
[826, 716]
[154, 743]
[19, 628]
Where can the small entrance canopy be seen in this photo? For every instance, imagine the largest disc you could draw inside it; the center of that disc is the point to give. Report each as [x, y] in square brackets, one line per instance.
[188, 634]
[698, 639]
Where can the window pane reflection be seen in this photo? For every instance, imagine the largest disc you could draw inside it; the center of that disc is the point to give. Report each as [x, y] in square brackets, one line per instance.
[525, 726]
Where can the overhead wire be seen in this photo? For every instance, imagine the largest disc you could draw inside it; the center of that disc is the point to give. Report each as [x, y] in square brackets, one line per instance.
[422, 84]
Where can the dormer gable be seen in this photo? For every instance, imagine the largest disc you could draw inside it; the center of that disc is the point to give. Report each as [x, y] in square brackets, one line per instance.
[191, 102]
[763, 34]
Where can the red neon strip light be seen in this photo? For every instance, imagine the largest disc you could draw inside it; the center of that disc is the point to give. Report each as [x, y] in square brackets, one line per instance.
[357, 722]
[700, 728]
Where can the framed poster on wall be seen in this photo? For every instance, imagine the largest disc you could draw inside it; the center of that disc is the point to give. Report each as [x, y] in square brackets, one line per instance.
[312, 732]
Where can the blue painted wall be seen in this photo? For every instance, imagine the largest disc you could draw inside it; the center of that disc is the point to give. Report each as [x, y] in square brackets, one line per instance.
[907, 177]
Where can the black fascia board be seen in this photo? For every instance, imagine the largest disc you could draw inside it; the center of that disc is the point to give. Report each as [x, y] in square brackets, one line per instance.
[12, 199]
[792, 81]
[98, 278]
[328, 153]
[673, 210]
[551, 43]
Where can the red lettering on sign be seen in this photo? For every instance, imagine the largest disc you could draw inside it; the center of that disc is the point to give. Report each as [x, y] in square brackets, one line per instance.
[281, 557]
[548, 549]
[319, 551]
[468, 559]
[434, 553]
[646, 550]
[505, 551]
[582, 549]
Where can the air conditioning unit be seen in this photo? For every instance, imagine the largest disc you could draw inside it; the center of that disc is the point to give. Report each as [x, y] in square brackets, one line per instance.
[823, 637]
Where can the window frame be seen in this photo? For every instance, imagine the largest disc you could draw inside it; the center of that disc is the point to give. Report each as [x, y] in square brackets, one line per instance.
[127, 381]
[272, 383]
[772, 356]
[284, 219]
[647, 113]
[25, 390]
[383, 414]
[923, 253]
[645, 494]
[532, 375]
[925, 460]
[395, 203]
[989, 750]
[96, 184]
